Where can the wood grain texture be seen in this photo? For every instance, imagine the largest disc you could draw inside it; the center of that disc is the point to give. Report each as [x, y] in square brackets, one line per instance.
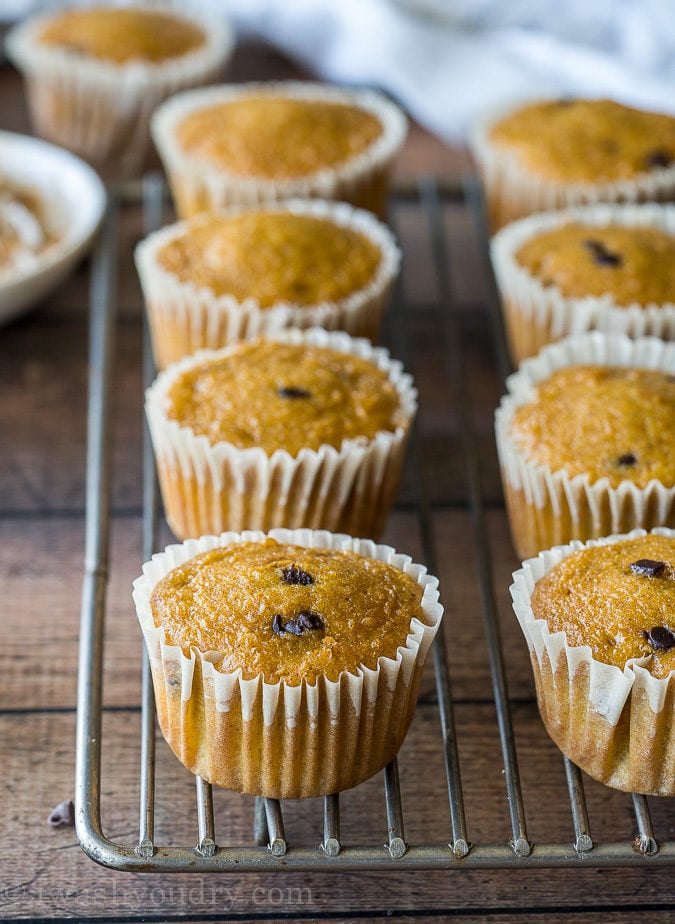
[43, 873]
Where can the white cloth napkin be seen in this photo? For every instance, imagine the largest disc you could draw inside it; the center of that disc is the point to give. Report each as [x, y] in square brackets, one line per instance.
[448, 60]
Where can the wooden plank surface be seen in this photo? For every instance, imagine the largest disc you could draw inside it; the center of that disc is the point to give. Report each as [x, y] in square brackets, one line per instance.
[43, 873]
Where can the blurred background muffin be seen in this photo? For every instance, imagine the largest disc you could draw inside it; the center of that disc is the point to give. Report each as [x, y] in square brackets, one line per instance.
[565, 152]
[260, 142]
[94, 75]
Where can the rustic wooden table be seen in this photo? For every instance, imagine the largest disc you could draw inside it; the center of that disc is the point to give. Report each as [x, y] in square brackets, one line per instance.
[43, 872]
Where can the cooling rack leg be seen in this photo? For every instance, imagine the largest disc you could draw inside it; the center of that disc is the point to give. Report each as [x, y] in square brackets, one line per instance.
[392, 791]
[645, 842]
[583, 842]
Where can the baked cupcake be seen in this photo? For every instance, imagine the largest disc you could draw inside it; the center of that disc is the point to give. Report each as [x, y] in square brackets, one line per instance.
[586, 440]
[233, 275]
[269, 141]
[95, 74]
[552, 154]
[299, 428]
[293, 669]
[602, 267]
[599, 620]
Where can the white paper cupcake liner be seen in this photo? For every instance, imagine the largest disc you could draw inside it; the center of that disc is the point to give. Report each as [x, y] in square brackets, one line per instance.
[536, 314]
[275, 739]
[513, 191]
[185, 317]
[547, 508]
[617, 725]
[99, 109]
[211, 488]
[198, 185]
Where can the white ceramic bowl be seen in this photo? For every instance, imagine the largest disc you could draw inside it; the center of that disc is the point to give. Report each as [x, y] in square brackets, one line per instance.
[74, 198]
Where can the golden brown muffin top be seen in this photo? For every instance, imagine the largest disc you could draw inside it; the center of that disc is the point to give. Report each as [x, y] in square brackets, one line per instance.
[285, 396]
[272, 257]
[123, 34]
[608, 422]
[587, 141]
[277, 137]
[619, 599]
[287, 612]
[632, 264]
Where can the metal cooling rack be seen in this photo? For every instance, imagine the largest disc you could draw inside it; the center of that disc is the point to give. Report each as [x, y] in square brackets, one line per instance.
[269, 847]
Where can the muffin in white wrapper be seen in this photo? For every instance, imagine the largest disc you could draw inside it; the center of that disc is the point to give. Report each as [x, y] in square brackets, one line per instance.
[209, 487]
[513, 191]
[100, 108]
[286, 739]
[187, 316]
[616, 723]
[549, 506]
[200, 184]
[537, 314]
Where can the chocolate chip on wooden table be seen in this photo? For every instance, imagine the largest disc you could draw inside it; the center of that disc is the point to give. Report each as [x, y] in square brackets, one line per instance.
[289, 391]
[627, 460]
[293, 575]
[303, 622]
[658, 158]
[601, 255]
[647, 567]
[661, 638]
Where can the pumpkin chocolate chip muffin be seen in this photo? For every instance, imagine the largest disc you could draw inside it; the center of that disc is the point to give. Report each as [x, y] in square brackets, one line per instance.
[599, 623]
[235, 274]
[300, 429]
[596, 268]
[585, 440]
[286, 665]
[555, 153]
[95, 74]
[262, 142]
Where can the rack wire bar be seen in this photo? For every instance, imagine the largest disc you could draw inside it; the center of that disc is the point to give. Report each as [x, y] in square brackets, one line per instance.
[275, 827]
[432, 205]
[206, 845]
[271, 851]
[645, 842]
[392, 790]
[103, 301]
[460, 843]
[331, 825]
[153, 209]
[583, 841]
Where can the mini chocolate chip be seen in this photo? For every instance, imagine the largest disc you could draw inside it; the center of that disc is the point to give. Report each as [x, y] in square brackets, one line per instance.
[303, 622]
[289, 391]
[661, 638]
[277, 625]
[601, 255]
[647, 567]
[293, 575]
[627, 459]
[62, 815]
[566, 101]
[658, 158]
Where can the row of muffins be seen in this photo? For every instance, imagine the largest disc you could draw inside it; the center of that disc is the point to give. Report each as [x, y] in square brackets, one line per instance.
[585, 433]
[195, 188]
[285, 663]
